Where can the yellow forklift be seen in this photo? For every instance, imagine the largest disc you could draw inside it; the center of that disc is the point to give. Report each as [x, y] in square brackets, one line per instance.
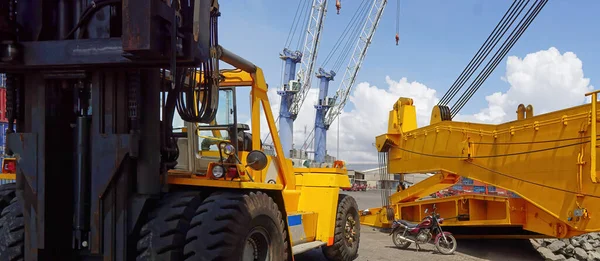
[102, 175]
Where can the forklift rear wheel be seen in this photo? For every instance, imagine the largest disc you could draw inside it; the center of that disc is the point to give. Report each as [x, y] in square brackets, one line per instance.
[347, 231]
[162, 237]
[12, 231]
[237, 226]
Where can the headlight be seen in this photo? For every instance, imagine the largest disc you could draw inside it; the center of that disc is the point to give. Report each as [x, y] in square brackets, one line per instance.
[228, 149]
[218, 171]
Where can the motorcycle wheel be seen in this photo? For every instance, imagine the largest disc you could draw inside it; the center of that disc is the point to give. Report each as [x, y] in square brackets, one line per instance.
[399, 242]
[444, 250]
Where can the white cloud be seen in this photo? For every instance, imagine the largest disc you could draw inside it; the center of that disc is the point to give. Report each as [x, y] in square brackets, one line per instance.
[546, 79]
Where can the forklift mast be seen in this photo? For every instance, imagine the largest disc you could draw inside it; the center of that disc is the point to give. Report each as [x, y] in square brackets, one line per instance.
[84, 84]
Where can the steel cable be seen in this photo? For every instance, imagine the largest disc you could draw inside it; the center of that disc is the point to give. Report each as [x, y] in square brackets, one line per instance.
[489, 156]
[344, 33]
[464, 98]
[478, 57]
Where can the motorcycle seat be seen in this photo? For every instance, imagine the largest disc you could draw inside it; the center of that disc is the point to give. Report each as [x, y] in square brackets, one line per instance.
[408, 224]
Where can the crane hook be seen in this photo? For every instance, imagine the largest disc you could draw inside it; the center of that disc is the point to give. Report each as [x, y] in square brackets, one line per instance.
[338, 6]
[397, 39]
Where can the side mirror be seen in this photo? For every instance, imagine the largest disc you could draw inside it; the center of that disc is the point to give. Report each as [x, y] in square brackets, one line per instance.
[257, 160]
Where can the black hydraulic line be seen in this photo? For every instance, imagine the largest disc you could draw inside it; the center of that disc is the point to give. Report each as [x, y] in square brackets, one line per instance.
[498, 57]
[191, 106]
[456, 86]
[88, 14]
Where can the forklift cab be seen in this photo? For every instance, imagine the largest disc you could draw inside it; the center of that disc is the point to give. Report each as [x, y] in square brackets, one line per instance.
[199, 147]
[244, 137]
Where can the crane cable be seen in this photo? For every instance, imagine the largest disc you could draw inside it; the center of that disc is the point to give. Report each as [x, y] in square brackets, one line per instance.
[348, 48]
[344, 34]
[397, 22]
[478, 57]
[300, 10]
[527, 19]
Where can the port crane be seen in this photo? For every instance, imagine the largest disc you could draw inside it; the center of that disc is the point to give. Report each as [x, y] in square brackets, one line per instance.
[101, 173]
[295, 87]
[329, 108]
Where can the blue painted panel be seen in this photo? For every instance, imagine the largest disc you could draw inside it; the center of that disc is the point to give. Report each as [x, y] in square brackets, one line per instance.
[491, 189]
[295, 220]
[3, 128]
[479, 189]
[467, 181]
[458, 187]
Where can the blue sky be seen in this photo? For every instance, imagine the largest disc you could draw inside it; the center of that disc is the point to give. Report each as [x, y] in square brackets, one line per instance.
[437, 40]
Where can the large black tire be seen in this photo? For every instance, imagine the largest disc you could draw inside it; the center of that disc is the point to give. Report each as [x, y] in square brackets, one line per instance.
[12, 231]
[228, 222]
[162, 237]
[345, 241]
[7, 193]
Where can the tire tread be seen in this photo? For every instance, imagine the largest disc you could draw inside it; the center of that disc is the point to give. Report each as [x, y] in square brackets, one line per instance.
[162, 237]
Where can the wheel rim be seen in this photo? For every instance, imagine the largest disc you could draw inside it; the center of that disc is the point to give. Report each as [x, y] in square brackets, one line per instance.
[446, 247]
[398, 240]
[350, 231]
[257, 245]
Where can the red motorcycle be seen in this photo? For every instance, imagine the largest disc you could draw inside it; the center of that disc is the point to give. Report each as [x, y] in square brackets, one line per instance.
[405, 233]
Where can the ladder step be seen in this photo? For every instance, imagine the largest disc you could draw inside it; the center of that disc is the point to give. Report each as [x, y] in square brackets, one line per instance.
[304, 247]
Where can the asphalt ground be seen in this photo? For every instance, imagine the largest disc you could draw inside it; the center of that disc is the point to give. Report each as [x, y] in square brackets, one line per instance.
[376, 245]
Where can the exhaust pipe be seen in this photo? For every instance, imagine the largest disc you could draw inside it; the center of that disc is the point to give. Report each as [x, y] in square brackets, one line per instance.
[401, 237]
[405, 239]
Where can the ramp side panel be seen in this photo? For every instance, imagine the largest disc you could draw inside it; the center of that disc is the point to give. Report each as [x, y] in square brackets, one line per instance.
[425, 188]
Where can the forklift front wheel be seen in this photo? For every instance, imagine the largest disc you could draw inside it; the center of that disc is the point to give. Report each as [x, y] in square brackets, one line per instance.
[347, 231]
[237, 226]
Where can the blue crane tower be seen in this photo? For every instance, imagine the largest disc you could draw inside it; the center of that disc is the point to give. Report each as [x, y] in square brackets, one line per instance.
[294, 91]
[328, 108]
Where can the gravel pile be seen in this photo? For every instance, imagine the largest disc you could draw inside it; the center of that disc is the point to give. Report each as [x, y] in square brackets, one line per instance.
[584, 247]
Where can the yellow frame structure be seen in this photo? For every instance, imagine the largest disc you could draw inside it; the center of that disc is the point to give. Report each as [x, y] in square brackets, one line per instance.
[548, 160]
[310, 194]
